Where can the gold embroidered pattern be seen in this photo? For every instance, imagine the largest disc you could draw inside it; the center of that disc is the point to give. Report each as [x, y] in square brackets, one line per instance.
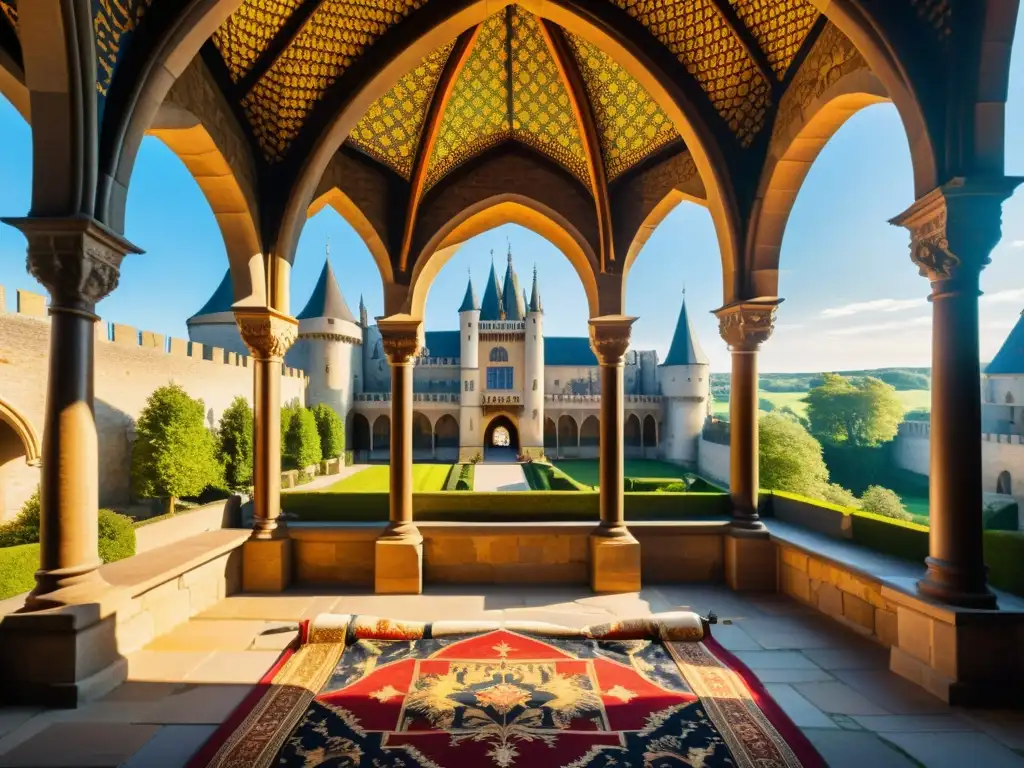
[112, 22]
[248, 31]
[338, 33]
[630, 123]
[694, 31]
[390, 129]
[780, 28]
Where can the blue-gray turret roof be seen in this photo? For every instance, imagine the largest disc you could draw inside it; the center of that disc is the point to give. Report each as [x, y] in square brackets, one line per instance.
[535, 303]
[568, 350]
[469, 302]
[510, 293]
[221, 300]
[1009, 360]
[685, 349]
[492, 309]
[327, 300]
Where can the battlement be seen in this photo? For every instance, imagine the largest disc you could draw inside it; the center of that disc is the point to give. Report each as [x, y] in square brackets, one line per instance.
[29, 304]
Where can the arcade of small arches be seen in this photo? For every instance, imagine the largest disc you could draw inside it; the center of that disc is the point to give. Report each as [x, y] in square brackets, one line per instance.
[476, 148]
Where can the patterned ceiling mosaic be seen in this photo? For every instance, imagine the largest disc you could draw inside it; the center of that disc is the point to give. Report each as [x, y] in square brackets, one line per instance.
[695, 32]
[113, 22]
[336, 34]
[248, 31]
[630, 123]
[779, 27]
[391, 128]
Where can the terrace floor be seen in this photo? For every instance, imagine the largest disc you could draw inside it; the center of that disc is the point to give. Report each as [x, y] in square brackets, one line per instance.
[834, 684]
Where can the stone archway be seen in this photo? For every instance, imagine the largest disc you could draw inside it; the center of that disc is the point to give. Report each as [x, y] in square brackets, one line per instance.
[650, 434]
[19, 461]
[633, 436]
[1004, 483]
[422, 438]
[381, 445]
[550, 438]
[359, 439]
[590, 438]
[568, 437]
[446, 438]
[501, 440]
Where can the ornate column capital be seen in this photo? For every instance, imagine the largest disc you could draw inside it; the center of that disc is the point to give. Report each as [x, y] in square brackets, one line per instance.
[954, 228]
[77, 258]
[266, 332]
[400, 337]
[746, 325]
[609, 337]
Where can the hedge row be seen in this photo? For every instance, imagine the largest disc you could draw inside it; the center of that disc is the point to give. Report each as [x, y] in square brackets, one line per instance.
[18, 567]
[460, 478]
[514, 506]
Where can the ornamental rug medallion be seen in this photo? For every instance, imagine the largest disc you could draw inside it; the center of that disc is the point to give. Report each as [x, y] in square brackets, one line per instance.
[371, 693]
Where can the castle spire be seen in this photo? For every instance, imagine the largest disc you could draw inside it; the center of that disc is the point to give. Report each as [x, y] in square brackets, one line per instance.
[685, 349]
[469, 303]
[535, 303]
[492, 307]
[512, 297]
[364, 316]
[327, 299]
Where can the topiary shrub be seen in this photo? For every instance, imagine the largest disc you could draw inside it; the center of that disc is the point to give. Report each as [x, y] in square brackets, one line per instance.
[117, 536]
[302, 441]
[174, 453]
[331, 430]
[881, 501]
[24, 528]
[235, 444]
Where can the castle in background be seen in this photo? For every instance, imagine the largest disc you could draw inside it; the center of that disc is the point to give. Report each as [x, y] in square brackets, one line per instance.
[496, 387]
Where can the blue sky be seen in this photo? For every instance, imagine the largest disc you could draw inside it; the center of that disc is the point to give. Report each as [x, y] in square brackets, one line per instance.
[852, 297]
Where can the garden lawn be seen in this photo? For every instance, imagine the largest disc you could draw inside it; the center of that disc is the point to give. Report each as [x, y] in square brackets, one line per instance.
[587, 471]
[912, 399]
[425, 477]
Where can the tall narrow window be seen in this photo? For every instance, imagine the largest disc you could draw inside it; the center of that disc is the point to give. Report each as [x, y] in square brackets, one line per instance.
[499, 377]
[499, 355]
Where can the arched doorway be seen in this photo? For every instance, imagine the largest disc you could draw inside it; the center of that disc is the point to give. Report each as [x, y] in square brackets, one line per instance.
[633, 435]
[568, 437]
[650, 435]
[359, 439]
[19, 461]
[446, 438]
[1004, 483]
[381, 439]
[501, 440]
[422, 438]
[590, 438]
[550, 439]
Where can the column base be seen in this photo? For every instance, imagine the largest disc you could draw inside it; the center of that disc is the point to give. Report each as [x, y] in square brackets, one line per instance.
[751, 561]
[947, 584]
[63, 657]
[398, 564]
[614, 563]
[266, 565]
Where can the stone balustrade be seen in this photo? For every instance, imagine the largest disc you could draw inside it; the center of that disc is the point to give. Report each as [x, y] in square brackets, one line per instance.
[384, 398]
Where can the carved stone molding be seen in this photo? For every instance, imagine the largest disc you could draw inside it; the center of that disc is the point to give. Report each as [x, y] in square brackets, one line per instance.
[400, 337]
[609, 338]
[954, 228]
[266, 332]
[77, 258]
[747, 325]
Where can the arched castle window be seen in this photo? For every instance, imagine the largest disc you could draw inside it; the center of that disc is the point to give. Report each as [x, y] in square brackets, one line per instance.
[499, 355]
[1009, 398]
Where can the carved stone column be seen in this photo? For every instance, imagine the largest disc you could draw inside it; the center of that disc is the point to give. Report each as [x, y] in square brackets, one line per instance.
[398, 562]
[953, 230]
[267, 555]
[78, 260]
[614, 553]
[749, 557]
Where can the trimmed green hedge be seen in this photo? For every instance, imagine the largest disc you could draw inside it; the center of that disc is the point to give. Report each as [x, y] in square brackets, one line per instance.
[18, 567]
[1000, 516]
[1004, 554]
[648, 484]
[545, 477]
[511, 506]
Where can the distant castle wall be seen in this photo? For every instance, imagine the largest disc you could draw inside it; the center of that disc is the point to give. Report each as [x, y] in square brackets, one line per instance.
[713, 461]
[130, 364]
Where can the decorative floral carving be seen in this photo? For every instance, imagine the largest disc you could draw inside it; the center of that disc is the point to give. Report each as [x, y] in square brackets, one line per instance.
[747, 326]
[267, 334]
[610, 339]
[401, 347]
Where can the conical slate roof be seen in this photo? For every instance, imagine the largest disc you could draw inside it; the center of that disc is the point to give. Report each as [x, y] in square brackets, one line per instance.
[511, 295]
[491, 309]
[469, 302]
[685, 349]
[535, 303]
[1009, 360]
[221, 300]
[326, 300]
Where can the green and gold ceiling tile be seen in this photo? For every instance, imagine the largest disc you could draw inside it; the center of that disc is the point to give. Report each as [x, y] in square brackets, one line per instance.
[248, 31]
[779, 27]
[113, 22]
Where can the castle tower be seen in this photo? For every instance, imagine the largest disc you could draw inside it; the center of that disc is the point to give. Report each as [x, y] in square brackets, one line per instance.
[510, 293]
[685, 386]
[531, 425]
[492, 307]
[214, 325]
[329, 346]
[471, 428]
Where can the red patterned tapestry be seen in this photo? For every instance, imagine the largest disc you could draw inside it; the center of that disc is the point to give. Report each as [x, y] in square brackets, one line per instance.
[371, 693]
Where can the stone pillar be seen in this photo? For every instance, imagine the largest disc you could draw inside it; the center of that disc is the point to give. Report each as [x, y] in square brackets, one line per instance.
[61, 648]
[749, 556]
[267, 556]
[398, 559]
[614, 553]
[953, 230]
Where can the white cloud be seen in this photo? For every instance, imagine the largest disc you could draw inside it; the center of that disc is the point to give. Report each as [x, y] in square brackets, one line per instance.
[860, 330]
[1017, 244]
[878, 305]
[998, 325]
[1010, 296]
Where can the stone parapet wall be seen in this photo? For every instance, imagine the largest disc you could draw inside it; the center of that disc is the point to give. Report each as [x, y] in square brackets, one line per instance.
[713, 461]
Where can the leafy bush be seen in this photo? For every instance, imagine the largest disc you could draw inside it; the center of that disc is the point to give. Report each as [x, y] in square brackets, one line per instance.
[999, 514]
[651, 484]
[302, 441]
[790, 459]
[864, 412]
[349, 458]
[288, 411]
[18, 565]
[834, 493]
[117, 536]
[174, 453]
[24, 528]
[235, 444]
[881, 501]
[331, 430]
[673, 487]
[1004, 555]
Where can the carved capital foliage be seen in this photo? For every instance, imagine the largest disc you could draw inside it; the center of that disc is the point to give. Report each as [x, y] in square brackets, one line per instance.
[609, 338]
[267, 333]
[747, 325]
[954, 228]
[400, 337]
[75, 257]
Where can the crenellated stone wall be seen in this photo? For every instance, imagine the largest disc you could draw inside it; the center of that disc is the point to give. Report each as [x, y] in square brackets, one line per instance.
[130, 364]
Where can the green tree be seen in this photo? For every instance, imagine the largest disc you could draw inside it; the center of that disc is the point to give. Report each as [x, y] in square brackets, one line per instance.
[862, 413]
[331, 429]
[236, 427]
[174, 454]
[302, 441]
[882, 501]
[288, 411]
[834, 493]
[766, 405]
[790, 459]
